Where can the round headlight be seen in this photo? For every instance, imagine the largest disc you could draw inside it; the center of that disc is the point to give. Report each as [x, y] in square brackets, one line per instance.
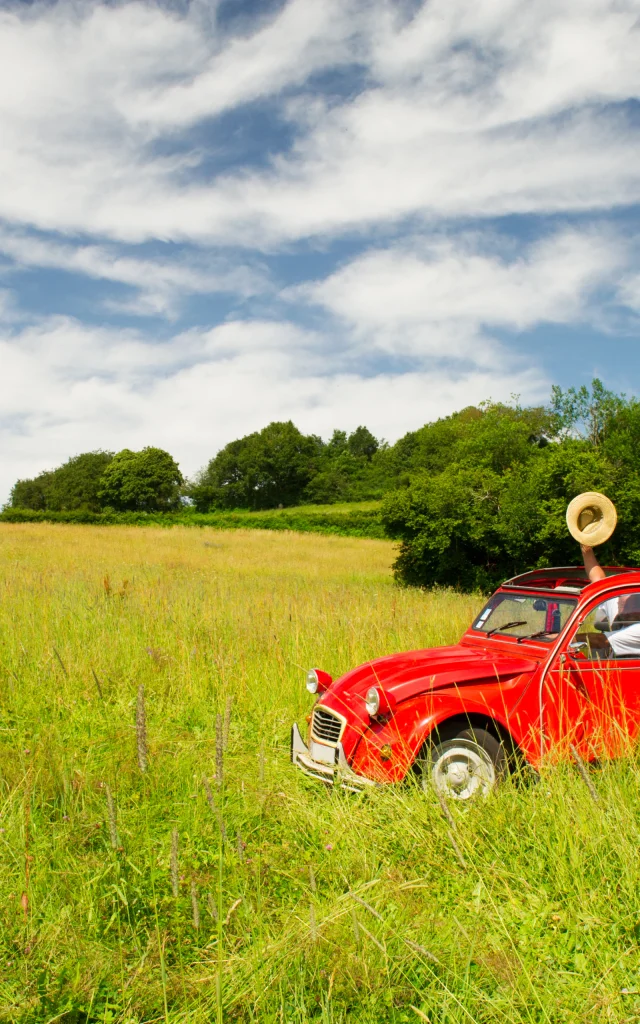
[372, 701]
[312, 681]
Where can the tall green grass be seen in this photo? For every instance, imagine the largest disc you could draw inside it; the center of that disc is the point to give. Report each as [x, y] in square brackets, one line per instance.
[218, 884]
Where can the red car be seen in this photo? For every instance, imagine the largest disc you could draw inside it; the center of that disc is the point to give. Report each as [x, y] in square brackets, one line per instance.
[533, 677]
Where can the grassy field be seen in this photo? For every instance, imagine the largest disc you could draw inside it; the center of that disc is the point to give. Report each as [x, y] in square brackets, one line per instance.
[131, 896]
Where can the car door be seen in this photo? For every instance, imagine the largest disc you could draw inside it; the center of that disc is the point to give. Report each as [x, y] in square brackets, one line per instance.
[567, 709]
[608, 683]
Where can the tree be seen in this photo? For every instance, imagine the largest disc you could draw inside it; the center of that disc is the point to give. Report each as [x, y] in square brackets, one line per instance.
[346, 470]
[494, 435]
[362, 443]
[145, 481]
[30, 493]
[587, 413]
[262, 470]
[74, 485]
[447, 524]
[336, 445]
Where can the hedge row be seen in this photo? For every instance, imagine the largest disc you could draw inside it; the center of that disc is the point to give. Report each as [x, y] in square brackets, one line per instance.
[343, 521]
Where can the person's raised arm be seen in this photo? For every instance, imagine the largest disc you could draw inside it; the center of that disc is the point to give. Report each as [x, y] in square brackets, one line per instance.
[594, 569]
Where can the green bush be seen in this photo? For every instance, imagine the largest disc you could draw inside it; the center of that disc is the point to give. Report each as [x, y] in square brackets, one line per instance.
[500, 510]
[346, 521]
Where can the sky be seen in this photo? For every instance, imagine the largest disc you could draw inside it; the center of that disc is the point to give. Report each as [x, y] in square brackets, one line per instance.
[219, 213]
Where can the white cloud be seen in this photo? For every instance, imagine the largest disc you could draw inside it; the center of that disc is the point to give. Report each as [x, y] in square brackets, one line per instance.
[474, 107]
[159, 284]
[86, 91]
[436, 297]
[629, 292]
[513, 60]
[66, 388]
[304, 37]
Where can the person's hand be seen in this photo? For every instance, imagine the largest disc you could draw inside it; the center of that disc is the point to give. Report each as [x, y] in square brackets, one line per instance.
[586, 550]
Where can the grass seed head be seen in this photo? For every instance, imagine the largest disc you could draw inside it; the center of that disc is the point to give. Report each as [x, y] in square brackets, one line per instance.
[195, 909]
[219, 751]
[111, 811]
[175, 876]
[214, 807]
[141, 730]
[227, 721]
[211, 906]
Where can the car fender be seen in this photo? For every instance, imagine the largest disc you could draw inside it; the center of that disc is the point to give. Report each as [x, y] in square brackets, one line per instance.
[388, 749]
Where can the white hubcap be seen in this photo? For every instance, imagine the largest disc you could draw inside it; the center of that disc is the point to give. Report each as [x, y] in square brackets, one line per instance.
[461, 769]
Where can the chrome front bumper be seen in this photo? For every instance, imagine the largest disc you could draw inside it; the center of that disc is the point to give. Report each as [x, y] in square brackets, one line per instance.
[337, 774]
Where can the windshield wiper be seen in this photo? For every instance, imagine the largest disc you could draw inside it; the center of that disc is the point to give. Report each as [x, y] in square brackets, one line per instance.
[534, 636]
[507, 625]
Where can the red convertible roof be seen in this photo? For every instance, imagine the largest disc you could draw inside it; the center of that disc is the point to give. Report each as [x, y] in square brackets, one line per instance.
[570, 578]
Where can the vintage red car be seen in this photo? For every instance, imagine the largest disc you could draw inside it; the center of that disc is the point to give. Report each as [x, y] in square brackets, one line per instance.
[534, 679]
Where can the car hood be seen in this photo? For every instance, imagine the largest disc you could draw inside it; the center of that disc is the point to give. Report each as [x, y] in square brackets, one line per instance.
[402, 676]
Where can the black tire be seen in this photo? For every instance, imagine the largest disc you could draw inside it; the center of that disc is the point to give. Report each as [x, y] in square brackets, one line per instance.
[465, 763]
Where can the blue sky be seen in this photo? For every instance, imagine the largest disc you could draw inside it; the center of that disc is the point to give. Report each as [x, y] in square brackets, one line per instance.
[217, 214]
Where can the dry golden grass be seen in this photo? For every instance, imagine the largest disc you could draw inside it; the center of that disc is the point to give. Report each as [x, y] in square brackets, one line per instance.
[121, 550]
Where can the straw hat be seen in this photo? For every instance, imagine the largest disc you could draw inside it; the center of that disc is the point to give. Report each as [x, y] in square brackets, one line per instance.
[591, 518]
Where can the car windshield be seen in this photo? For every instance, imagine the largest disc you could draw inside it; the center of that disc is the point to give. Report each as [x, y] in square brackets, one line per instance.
[522, 615]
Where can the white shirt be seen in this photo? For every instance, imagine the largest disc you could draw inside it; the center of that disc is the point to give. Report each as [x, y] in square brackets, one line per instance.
[607, 611]
[626, 641]
[622, 641]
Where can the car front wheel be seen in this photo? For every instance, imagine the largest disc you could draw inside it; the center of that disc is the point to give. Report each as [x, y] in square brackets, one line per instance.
[469, 764]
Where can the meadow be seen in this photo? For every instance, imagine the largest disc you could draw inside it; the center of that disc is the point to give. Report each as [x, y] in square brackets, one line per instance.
[160, 860]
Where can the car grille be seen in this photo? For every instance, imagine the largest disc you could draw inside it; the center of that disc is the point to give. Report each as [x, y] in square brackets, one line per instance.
[326, 726]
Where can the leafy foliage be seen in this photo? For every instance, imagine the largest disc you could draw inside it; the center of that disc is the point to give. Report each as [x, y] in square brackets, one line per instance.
[74, 485]
[262, 470]
[591, 412]
[145, 481]
[498, 507]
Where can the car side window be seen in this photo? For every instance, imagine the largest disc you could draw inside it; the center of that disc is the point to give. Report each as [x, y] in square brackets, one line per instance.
[611, 630]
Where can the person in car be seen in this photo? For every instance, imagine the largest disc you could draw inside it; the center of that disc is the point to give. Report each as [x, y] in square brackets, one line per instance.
[619, 617]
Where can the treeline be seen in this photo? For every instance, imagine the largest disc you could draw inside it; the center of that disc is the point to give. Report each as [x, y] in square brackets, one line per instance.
[276, 467]
[473, 497]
